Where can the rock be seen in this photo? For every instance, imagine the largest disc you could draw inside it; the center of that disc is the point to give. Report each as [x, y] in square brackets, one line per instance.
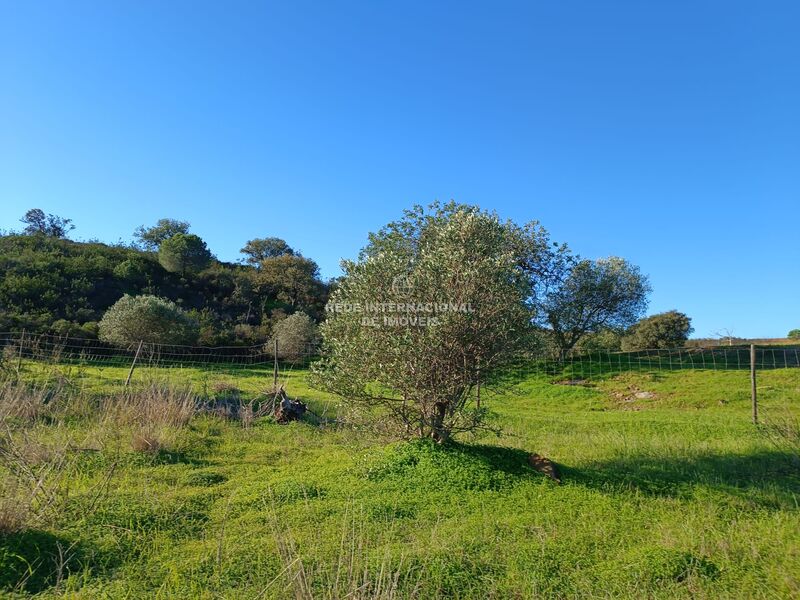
[644, 395]
[545, 466]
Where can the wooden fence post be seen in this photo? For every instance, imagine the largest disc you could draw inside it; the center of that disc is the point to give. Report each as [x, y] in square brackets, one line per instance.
[275, 366]
[753, 394]
[133, 364]
[19, 354]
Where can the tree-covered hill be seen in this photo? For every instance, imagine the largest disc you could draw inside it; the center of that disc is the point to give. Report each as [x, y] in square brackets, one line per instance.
[52, 284]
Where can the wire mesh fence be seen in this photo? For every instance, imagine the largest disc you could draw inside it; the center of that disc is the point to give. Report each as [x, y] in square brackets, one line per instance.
[109, 365]
[18, 347]
[608, 363]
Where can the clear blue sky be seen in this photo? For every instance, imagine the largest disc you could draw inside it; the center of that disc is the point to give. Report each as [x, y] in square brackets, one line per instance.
[664, 132]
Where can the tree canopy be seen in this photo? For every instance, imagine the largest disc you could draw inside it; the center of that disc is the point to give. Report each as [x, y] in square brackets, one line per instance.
[595, 295]
[665, 330]
[296, 335]
[38, 223]
[435, 303]
[151, 238]
[183, 252]
[258, 250]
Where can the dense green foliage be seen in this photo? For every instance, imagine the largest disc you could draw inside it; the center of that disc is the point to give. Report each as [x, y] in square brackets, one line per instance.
[38, 223]
[151, 238]
[595, 295]
[665, 330]
[437, 301]
[260, 249]
[147, 319]
[62, 286]
[794, 334]
[296, 336]
[183, 253]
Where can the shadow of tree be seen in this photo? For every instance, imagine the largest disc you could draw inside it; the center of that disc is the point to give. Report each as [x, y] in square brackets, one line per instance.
[768, 479]
[34, 560]
[511, 461]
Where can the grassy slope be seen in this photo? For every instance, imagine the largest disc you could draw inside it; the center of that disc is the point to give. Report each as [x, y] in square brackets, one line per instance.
[671, 496]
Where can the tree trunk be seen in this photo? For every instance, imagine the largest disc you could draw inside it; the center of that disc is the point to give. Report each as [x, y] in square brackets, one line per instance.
[438, 431]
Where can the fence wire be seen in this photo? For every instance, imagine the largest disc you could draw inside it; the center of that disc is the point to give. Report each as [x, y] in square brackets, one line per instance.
[21, 346]
[604, 363]
[24, 350]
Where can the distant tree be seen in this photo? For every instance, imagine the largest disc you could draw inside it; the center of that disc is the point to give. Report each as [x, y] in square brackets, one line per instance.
[292, 280]
[594, 295]
[794, 334]
[297, 336]
[603, 340]
[725, 336]
[38, 223]
[471, 274]
[151, 238]
[260, 249]
[148, 319]
[183, 253]
[665, 330]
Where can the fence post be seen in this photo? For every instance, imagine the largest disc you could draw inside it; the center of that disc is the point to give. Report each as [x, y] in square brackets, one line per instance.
[753, 394]
[19, 354]
[275, 366]
[133, 364]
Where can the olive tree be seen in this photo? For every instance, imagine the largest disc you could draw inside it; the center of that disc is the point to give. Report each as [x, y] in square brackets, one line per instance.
[183, 253]
[593, 296]
[665, 330]
[296, 335]
[435, 302]
[148, 319]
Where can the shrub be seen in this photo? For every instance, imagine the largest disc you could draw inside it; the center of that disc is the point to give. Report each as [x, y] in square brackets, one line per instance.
[148, 319]
[794, 334]
[666, 330]
[605, 340]
[296, 336]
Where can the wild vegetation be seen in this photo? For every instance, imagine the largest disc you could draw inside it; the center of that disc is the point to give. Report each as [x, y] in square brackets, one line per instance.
[52, 284]
[581, 479]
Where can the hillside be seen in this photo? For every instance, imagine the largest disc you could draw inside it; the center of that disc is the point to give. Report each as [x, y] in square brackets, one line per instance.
[62, 286]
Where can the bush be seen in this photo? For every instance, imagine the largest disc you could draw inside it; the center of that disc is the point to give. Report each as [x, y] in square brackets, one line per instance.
[149, 319]
[605, 340]
[666, 330]
[794, 334]
[297, 335]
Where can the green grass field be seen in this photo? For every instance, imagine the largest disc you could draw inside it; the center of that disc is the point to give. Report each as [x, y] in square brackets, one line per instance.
[672, 495]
